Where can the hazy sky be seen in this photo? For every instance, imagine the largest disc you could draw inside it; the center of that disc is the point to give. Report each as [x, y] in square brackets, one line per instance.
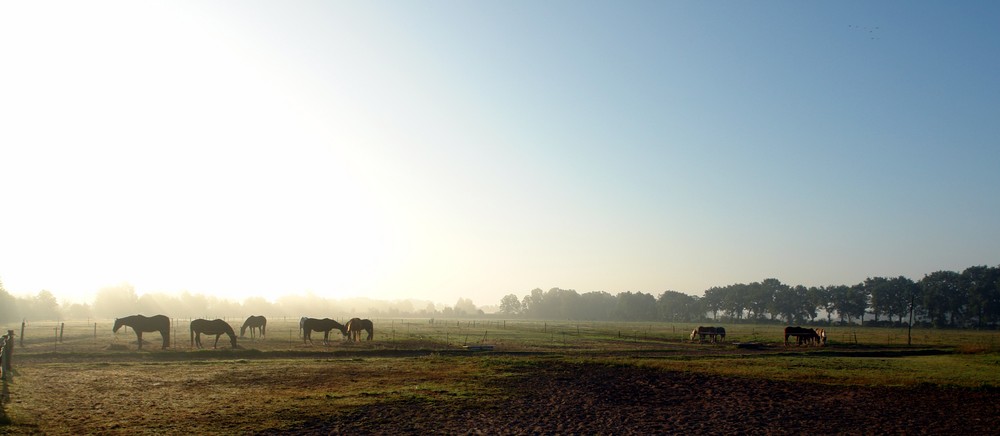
[447, 149]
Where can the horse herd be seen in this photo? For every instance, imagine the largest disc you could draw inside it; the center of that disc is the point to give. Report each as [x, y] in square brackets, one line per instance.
[256, 324]
[804, 336]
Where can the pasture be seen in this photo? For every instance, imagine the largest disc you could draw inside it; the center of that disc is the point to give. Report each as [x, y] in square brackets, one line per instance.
[541, 377]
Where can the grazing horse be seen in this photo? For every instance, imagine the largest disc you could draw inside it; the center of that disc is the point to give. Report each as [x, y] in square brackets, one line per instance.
[356, 325]
[822, 336]
[801, 334]
[712, 332]
[139, 323]
[254, 323]
[214, 327]
[324, 325]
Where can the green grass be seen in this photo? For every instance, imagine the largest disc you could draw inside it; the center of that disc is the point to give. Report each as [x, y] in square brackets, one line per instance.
[855, 355]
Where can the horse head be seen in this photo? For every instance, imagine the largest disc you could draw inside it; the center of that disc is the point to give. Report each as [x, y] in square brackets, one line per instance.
[694, 333]
[119, 322]
[243, 330]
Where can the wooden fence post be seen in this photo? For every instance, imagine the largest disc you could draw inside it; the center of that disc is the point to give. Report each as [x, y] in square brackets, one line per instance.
[6, 350]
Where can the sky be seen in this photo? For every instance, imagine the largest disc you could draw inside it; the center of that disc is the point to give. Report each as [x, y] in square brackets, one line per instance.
[448, 149]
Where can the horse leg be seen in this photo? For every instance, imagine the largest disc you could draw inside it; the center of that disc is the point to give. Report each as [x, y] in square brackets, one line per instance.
[138, 336]
[216, 341]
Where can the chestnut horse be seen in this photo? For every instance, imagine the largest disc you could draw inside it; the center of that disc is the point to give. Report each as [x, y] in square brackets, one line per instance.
[215, 327]
[356, 325]
[139, 323]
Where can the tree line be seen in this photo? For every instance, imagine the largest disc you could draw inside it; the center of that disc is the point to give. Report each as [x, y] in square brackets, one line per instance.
[970, 298]
[121, 300]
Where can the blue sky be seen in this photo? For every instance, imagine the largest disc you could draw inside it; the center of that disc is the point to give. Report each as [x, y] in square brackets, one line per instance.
[445, 150]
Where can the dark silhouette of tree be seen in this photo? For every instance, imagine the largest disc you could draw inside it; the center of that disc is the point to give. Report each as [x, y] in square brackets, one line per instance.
[880, 293]
[678, 307]
[713, 300]
[942, 293]
[636, 307]
[902, 292]
[983, 286]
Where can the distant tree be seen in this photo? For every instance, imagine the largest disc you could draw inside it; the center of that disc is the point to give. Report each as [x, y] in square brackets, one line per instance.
[850, 302]
[678, 307]
[857, 300]
[983, 286]
[762, 296]
[838, 301]
[258, 306]
[150, 305]
[560, 304]
[596, 306]
[510, 305]
[822, 298]
[881, 294]
[635, 307]
[903, 291]
[7, 306]
[712, 301]
[939, 291]
[531, 305]
[735, 299]
[43, 307]
[116, 301]
[792, 304]
[464, 307]
[76, 311]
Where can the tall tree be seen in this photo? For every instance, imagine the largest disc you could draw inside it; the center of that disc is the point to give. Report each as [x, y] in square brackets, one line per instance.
[983, 285]
[880, 292]
[510, 305]
[677, 307]
[713, 300]
[636, 307]
[942, 293]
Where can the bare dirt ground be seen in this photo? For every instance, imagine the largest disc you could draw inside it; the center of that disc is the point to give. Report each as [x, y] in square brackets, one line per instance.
[597, 399]
[408, 393]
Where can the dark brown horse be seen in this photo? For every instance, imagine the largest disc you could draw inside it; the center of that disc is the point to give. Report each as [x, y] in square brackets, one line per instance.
[215, 327]
[801, 334]
[139, 323]
[258, 323]
[324, 325]
[356, 325]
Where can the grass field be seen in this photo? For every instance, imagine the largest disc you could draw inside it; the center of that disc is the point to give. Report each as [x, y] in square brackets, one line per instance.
[94, 381]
